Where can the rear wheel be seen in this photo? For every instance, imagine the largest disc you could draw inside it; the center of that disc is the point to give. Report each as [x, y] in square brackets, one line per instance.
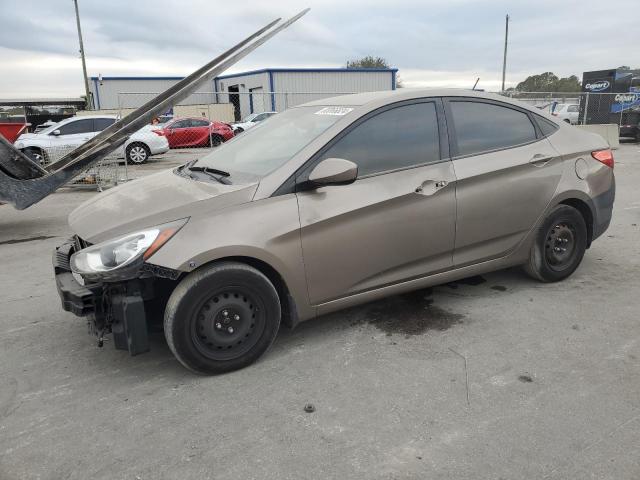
[559, 245]
[138, 153]
[222, 318]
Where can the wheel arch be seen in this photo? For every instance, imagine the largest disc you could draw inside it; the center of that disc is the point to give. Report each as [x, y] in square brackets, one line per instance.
[586, 210]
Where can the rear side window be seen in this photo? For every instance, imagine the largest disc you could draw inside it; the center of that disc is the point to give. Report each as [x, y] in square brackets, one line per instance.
[546, 126]
[79, 126]
[572, 108]
[199, 123]
[102, 123]
[397, 138]
[482, 127]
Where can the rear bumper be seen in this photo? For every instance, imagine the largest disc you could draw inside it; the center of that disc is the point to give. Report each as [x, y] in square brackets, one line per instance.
[629, 130]
[603, 206]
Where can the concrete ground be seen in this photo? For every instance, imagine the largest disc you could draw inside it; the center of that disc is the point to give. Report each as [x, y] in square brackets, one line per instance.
[498, 377]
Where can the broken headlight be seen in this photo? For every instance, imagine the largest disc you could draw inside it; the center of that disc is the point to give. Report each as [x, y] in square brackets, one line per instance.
[127, 250]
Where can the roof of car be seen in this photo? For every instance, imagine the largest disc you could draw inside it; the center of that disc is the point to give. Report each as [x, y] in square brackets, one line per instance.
[357, 99]
[106, 115]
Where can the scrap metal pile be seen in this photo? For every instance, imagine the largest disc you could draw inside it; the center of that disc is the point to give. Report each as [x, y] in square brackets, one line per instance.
[24, 182]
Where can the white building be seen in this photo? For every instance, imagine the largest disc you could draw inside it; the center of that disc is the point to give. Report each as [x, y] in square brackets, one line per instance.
[270, 89]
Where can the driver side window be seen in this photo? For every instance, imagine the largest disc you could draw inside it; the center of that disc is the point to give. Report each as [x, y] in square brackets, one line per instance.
[78, 126]
[396, 138]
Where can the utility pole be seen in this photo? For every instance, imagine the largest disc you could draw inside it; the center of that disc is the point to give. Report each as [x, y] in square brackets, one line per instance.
[504, 59]
[84, 63]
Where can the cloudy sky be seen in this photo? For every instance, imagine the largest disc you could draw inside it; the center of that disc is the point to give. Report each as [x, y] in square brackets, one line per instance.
[433, 43]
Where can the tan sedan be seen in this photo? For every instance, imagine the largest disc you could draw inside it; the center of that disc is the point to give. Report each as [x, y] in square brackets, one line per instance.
[332, 204]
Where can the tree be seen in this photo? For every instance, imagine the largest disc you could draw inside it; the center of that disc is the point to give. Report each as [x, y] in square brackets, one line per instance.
[373, 62]
[368, 62]
[549, 82]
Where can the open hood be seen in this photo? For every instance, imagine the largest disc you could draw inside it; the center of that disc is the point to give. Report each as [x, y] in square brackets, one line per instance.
[150, 201]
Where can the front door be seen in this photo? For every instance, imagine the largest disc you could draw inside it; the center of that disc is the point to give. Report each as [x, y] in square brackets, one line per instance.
[506, 171]
[396, 221]
[71, 135]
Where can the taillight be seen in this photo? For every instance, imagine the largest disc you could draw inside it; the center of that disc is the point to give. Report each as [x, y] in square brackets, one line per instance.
[604, 156]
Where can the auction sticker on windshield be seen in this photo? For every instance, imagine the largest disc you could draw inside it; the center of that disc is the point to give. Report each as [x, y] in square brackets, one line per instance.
[334, 111]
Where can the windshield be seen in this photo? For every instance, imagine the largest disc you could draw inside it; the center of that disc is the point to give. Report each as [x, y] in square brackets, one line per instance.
[270, 144]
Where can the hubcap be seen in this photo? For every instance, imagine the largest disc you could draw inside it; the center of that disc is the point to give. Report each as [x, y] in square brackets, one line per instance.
[560, 245]
[228, 324]
[137, 154]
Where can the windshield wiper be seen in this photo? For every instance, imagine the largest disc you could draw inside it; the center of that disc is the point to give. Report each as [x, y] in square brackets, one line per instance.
[220, 175]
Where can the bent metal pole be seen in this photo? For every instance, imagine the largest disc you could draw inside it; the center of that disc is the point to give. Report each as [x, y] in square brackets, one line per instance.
[23, 182]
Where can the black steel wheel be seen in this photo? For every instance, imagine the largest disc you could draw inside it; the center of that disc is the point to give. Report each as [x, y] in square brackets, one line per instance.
[222, 317]
[228, 323]
[559, 245]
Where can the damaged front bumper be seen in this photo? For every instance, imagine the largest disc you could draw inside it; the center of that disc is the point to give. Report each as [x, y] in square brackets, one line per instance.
[121, 308]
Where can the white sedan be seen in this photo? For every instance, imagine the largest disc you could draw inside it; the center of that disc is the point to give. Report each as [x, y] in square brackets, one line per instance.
[250, 121]
[567, 112]
[55, 141]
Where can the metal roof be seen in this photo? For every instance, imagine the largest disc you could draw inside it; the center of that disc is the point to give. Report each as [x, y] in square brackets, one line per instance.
[14, 102]
[263, 70]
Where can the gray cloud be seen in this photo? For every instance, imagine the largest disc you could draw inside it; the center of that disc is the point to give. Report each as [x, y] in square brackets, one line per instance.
[422, 37]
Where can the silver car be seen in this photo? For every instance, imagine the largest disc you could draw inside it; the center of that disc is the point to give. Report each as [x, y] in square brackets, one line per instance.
[328, 205]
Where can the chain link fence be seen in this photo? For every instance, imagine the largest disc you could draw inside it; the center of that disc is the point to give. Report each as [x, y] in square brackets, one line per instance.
[104, 174]
[583, 108]
[192, 128]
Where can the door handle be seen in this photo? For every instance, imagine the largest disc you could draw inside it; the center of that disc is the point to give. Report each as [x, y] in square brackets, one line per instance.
[429, 187]
[540, 160]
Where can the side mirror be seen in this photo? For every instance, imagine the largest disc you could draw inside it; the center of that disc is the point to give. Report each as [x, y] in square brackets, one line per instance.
[55, 132]
[333, 171]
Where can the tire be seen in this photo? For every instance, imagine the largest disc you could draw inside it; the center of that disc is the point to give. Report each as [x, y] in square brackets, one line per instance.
[138, 153]
[215, 141]
[559, 245]
[36, 155]
[221, 318]
[238, 130]
[567, 120]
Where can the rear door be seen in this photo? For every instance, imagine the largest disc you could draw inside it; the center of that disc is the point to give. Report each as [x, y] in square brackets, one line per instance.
[200, 131]
[178, 133]
[507, 173]
[397, 220]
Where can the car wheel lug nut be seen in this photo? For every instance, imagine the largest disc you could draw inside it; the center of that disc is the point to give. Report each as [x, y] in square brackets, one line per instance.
[236, 317]
[218, 325]
[230, 329]
[225, 313]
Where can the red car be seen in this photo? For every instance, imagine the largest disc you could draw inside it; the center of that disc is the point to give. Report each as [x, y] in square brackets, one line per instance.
[195, 132]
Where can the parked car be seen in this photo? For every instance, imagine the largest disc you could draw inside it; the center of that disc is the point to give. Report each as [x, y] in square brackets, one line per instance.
[70, 133]
[567, 112]
[251, 121]
[195, 132]
[328, 205]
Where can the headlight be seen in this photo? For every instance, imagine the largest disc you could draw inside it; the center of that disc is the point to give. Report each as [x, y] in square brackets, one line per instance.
[124, 251]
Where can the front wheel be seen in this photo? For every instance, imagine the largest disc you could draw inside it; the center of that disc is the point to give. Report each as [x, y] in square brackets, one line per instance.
[559, 245]
[222, 318]
[138, 153]
[35, 154]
